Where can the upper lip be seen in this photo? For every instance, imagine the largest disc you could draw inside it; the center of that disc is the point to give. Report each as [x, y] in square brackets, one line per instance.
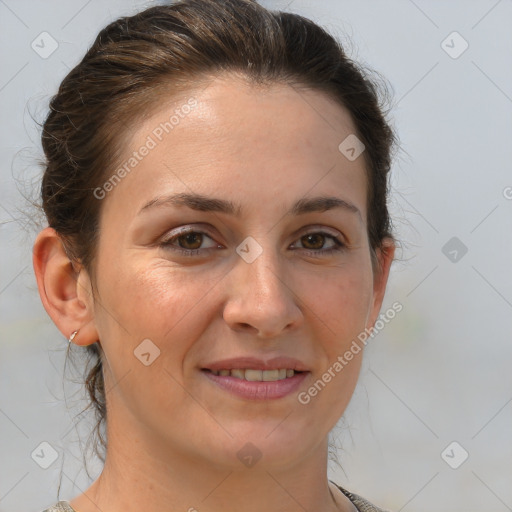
[253, 363]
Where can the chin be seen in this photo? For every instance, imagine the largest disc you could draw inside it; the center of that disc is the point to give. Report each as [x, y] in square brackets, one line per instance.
[265, 445]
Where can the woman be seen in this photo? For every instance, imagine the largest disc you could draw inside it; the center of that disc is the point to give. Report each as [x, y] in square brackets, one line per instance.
[215, 189]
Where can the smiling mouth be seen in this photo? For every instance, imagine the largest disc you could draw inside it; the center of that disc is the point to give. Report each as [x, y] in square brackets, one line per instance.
[256, 375]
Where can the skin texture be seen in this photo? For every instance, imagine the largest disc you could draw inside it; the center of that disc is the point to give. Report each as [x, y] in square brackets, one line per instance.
[173, 436]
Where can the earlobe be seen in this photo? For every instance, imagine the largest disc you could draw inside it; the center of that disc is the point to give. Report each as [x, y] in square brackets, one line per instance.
[58, 282]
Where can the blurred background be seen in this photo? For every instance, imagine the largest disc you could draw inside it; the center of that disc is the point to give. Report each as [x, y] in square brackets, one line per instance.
[430, 424]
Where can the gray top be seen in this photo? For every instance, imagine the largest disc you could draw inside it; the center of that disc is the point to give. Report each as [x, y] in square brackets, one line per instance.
[61, 506]
[359, 502]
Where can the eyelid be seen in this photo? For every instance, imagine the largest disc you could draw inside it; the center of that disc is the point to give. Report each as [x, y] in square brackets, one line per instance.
[305, 230]
[339, 241]
[167, 242]
[321, 228]
[337, 237]
[183, 230]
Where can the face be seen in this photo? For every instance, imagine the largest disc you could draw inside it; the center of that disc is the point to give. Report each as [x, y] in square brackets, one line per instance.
[213, 248]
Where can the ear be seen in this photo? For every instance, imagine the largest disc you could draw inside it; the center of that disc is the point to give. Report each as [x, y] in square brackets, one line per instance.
[385, 255]
[65, 289]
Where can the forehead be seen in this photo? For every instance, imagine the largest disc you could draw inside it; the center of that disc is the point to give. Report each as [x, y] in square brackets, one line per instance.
[264, 142]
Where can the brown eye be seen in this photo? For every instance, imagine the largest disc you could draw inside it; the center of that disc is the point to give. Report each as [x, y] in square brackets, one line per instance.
[313, 241]
[192, 240]
[319, 244]
[188, 242]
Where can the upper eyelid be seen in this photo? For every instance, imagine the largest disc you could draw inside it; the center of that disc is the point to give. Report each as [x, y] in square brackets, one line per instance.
[313, 229]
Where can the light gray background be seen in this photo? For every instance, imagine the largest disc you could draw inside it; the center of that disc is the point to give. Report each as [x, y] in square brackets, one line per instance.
[439, 372]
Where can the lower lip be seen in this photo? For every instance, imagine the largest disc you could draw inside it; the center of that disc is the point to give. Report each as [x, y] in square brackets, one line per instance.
[257, 390]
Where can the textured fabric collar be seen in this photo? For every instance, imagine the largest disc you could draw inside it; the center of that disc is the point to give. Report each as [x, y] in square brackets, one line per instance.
[61, 506]
[360, 503]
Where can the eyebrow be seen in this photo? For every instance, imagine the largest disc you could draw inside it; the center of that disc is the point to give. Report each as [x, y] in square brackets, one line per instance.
[204, 203]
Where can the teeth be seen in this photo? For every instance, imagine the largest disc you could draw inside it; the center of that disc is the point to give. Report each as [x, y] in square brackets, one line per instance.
[270, 375]
[256, 375]
[253, 375]
[240, 374]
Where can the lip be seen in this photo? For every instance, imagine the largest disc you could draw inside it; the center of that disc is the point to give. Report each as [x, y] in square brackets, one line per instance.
[253, 363]
[255, 390]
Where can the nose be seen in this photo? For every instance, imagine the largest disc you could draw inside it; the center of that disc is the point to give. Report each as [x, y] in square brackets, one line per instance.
[261, 299]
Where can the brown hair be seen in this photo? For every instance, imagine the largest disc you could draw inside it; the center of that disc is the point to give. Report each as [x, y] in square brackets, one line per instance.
[173, 48]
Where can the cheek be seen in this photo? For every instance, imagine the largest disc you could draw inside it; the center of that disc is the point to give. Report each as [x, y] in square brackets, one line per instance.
[340, 299]
[346, 309]
[341, 306]
[156, 300]
[166, 305]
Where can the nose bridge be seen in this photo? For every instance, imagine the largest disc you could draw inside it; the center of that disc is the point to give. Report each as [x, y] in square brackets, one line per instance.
[265, 273]
[261, 268]
[259, 295]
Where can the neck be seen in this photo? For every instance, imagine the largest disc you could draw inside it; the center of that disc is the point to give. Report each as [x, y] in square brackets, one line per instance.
[136, 476]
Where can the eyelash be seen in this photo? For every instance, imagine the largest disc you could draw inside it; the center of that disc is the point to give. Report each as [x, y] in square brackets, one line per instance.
[318, 253]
